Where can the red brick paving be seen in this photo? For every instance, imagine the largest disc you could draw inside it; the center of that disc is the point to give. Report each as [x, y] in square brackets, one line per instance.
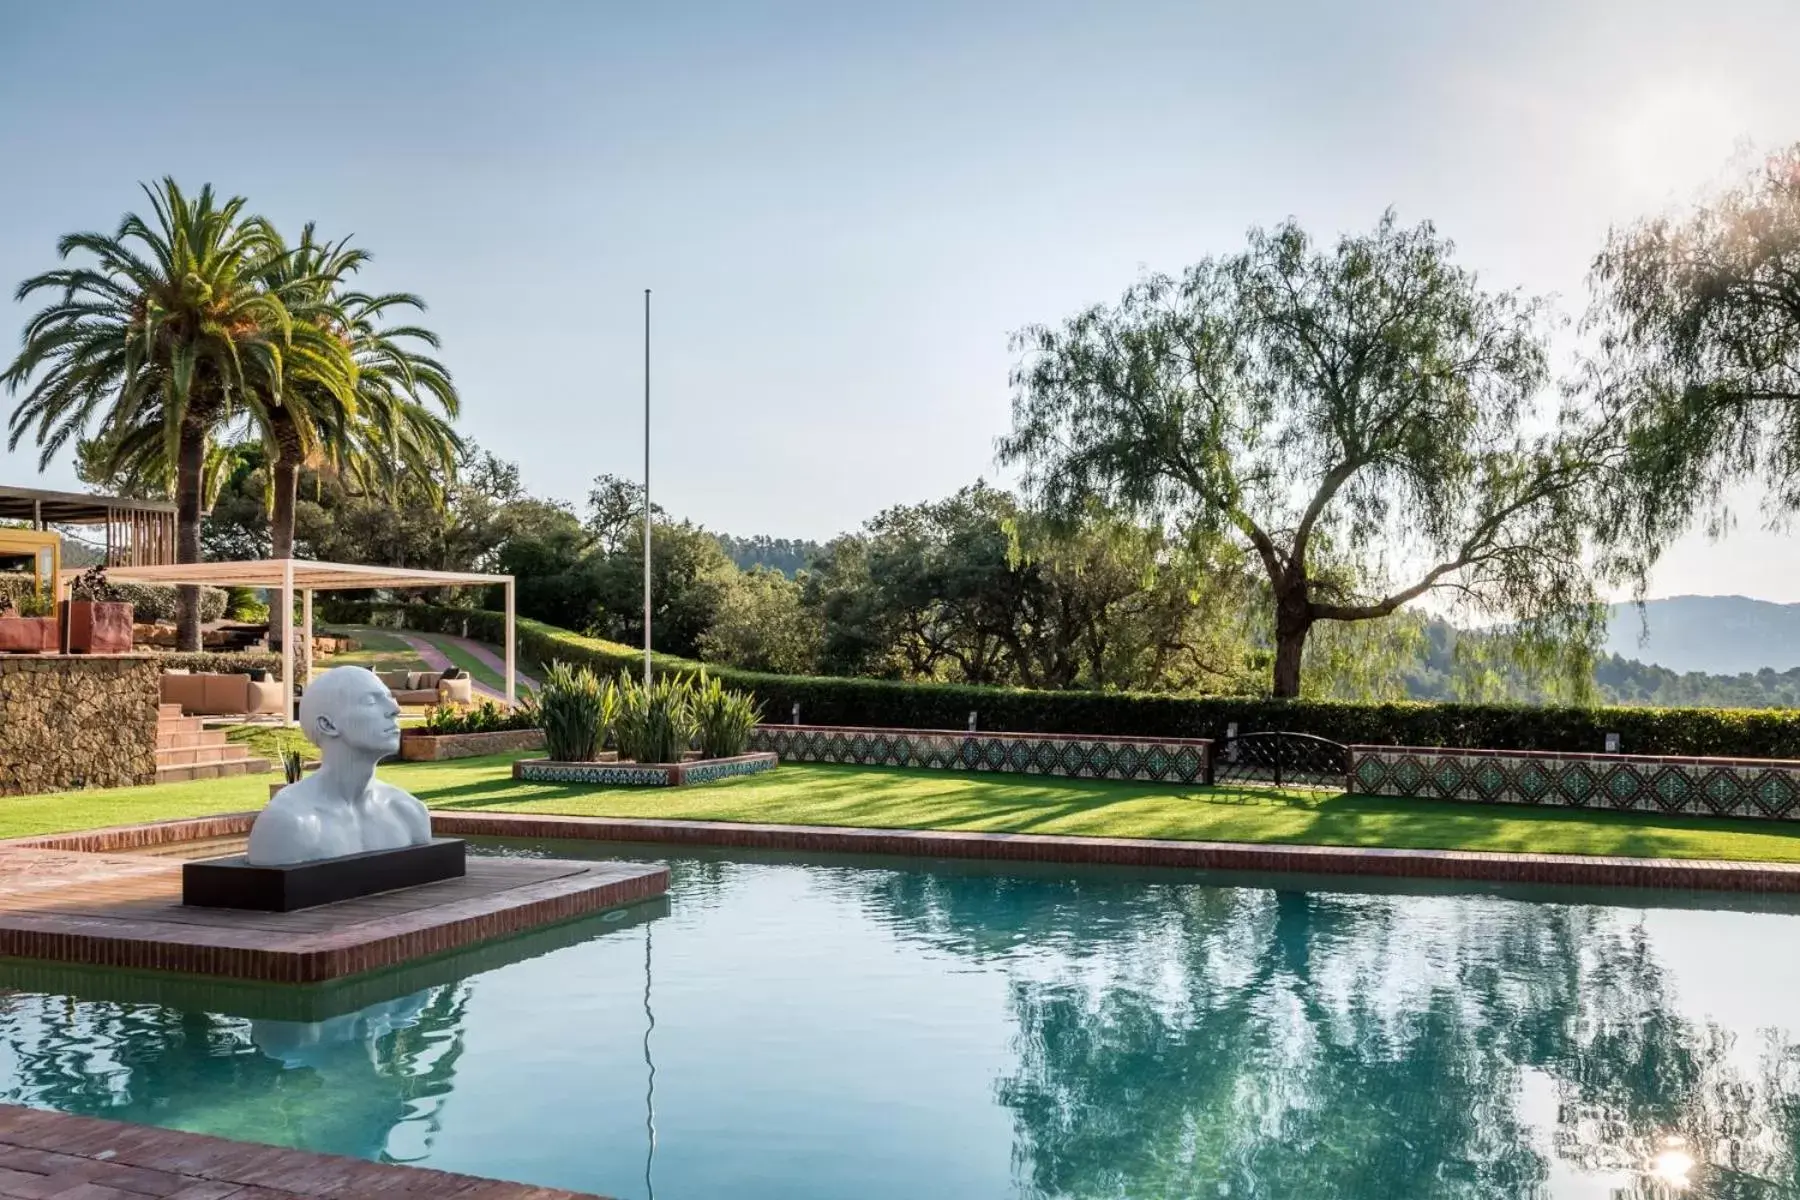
[54, 1156]
[125, 910]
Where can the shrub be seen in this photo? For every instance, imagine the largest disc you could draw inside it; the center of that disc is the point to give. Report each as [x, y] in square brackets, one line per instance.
[35, 604]
[218, 662]
[723, 719]
[483, 717]
[1718, 732]
[14, 586]
[92, 584]
[576, 712]
[151, 603]
[655, 724]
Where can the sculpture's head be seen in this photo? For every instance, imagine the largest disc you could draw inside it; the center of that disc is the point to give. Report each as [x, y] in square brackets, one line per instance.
[347, 709]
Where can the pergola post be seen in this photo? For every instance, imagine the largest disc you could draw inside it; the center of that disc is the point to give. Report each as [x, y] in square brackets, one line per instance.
[286, 619]
[511, 651]
[306, 631]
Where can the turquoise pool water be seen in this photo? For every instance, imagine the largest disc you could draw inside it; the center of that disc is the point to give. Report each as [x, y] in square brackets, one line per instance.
[856, 1028]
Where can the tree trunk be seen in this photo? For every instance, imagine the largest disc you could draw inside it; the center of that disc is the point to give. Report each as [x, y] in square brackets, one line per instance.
[286, 477]
[1293, 621]
[190, 464]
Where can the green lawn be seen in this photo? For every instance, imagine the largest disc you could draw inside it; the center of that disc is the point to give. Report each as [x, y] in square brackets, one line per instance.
[907, 799]
[382, 650]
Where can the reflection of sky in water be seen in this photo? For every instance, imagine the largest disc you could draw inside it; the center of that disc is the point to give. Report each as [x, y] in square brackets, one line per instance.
[840, 1030]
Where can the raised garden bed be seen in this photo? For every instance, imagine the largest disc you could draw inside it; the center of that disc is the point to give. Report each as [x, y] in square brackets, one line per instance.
[436, 747]
[633, 774]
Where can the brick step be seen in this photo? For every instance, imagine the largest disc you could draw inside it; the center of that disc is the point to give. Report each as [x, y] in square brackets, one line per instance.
[169, 739]
[179, 725]
[168, 710]
[176, 756]
[188, 772]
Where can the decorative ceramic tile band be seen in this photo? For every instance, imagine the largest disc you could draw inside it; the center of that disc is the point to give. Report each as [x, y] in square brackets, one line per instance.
[630, 774]
[1710, 787]
[1153, 760]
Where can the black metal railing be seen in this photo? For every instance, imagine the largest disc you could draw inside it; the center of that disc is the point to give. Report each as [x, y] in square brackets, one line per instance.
[1282, 759]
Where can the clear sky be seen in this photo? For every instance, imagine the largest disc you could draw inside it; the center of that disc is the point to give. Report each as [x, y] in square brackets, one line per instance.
[844, 208]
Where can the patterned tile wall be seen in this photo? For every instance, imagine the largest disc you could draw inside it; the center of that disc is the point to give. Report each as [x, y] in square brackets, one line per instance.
[1715, 787]
[1154, 760]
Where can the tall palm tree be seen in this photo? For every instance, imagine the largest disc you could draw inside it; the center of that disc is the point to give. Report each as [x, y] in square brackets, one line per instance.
[169, 330]
[369, 423]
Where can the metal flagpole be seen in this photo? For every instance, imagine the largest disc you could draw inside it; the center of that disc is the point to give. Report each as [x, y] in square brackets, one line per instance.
[646, 487]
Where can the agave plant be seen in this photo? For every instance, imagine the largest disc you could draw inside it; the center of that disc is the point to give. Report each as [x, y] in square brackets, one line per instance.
[576, 711]
[723, 719]
[655, 723]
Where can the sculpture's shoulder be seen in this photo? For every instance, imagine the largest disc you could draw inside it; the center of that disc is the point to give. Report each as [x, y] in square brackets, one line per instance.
[399, 800]
[288, 830]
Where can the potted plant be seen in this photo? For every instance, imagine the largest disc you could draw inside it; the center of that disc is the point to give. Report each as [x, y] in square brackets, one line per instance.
[95, 620]
[30, 625]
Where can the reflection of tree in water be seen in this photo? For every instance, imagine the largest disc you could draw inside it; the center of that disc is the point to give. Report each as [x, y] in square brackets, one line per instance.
[1184, 1040]
[342, 1086]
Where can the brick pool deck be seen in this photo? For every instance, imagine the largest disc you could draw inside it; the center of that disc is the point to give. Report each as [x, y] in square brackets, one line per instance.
[53, 1156]
[100, 908]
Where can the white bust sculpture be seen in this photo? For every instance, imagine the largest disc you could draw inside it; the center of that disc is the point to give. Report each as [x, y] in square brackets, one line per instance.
[341, 808]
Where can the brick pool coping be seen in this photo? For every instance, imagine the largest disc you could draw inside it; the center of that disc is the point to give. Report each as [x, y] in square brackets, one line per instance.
[52, 1154]
[1479, 865]
[1492, 866]
[76, 899]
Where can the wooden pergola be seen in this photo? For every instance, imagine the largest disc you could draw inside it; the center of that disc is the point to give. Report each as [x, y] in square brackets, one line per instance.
[139, 533]
[288, 576]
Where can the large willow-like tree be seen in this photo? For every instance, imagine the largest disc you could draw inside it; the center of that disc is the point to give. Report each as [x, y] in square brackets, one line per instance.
[1354, 415]
[1697, 320]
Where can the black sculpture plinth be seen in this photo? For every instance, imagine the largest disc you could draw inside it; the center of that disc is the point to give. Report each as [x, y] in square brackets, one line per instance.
[234, 883]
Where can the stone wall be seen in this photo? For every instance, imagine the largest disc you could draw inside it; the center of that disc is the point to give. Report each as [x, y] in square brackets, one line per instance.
[1153, 760]
[74, 721]
[1711, 787]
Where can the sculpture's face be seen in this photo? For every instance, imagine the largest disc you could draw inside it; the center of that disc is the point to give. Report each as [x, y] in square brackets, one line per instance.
[364, 718]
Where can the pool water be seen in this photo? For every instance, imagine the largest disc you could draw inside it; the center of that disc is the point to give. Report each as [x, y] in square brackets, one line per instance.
[865, 1028]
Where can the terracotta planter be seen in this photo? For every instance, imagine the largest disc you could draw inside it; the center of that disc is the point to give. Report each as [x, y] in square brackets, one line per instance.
[27, 635]
[98, 626]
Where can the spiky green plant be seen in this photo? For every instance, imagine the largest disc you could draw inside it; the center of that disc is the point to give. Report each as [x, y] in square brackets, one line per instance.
[656, 723]
[577, 711]
[723, 719]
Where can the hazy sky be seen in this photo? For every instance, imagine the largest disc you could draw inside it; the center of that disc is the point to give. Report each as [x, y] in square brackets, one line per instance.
[844, 209]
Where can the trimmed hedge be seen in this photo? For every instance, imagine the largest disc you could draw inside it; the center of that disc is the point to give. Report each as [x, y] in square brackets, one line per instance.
[149, 602]
[1715, 732]
[218, 662]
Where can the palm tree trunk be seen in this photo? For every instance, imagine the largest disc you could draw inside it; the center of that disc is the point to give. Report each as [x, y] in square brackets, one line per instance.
[190, 465]
[287, 492]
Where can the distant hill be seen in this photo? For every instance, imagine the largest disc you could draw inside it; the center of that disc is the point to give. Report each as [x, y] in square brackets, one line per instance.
[1718, 635]
[786, 555]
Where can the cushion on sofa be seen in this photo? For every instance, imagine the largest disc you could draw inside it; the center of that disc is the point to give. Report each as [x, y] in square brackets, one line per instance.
[422, 681]
[396, 681]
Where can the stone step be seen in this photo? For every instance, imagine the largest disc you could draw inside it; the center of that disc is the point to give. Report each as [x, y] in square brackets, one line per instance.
[176, 756]
[168, 739]
[187, 772]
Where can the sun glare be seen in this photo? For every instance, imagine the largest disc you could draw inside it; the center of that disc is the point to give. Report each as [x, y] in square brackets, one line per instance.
[1676, 137]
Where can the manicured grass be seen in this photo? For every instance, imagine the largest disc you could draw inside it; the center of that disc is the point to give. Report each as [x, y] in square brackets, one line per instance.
[375, 649]
[905, 799]
[382, 650]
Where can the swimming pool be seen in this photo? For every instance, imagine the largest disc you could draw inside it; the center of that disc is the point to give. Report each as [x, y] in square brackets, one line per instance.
[834, 1027]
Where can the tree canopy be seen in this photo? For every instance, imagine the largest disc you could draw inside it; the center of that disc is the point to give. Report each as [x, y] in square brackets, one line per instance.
[1696, 319]
[1351, 416]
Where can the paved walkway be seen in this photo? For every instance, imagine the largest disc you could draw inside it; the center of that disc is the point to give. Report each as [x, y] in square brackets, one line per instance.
[436, 660]
[60, 1157]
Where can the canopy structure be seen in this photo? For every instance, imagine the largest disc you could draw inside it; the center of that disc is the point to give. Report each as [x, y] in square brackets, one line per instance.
[289, 576]
[138, 532]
